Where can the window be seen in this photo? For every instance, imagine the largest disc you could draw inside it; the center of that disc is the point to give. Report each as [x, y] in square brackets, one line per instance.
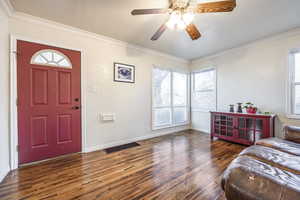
[294, 86]
[169, 98]
[204, 90]
[52, 58]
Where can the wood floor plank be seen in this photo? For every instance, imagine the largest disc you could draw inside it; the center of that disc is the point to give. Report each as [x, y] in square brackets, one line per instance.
[184, 165]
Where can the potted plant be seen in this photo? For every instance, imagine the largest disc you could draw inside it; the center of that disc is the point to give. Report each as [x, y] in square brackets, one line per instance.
[250, 108]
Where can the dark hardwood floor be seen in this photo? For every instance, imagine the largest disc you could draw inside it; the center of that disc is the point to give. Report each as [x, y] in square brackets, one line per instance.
[184, 165]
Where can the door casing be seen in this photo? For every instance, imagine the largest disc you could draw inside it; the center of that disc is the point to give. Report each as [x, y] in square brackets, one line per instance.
[13, 96]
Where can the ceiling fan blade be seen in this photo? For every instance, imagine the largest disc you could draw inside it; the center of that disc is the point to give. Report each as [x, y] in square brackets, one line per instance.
[159, 32]
[149, 11]
[193, 32]
[220, 6]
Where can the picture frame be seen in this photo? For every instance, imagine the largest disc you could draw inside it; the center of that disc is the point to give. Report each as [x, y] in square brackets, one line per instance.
[124, 73]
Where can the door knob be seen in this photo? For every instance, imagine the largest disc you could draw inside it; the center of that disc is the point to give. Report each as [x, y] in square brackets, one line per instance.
[75, 107]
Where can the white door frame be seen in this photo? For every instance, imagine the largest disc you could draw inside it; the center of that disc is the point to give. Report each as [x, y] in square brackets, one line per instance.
[14, 161]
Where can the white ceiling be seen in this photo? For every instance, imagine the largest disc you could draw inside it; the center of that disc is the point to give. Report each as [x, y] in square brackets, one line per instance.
[251, 20]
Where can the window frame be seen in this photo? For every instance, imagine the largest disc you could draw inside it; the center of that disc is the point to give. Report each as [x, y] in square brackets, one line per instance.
[53, 51]
[171, 107]
[207, 90]
[291, 85]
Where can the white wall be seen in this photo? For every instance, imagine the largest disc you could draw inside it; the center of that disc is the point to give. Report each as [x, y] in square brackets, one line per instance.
[130, 102]
[256, 72]
[200, 120]
[4, 93]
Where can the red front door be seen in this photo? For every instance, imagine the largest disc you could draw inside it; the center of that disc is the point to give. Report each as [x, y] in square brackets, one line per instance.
[49, 99]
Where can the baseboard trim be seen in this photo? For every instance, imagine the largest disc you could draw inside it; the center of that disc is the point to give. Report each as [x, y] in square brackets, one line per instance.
[3, 173]
[122, 142]
[200, 130]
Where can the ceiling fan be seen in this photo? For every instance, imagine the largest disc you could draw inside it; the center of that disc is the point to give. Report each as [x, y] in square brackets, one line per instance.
[182, 12]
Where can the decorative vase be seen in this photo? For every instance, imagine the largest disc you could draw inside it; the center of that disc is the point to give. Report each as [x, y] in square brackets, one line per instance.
[231, 109]
[240, 109]
[251, 110]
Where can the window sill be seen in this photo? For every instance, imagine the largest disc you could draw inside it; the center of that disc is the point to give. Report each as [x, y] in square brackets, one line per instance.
[169, 126]
[202, 110]
[291, 116]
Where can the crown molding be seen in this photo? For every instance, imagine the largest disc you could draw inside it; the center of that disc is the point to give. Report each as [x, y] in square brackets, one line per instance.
[10, 11]
[33, 19]
[8, 8]
[271, 38]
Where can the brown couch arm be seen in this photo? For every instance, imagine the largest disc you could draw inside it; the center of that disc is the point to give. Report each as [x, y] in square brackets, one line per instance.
[292, 133]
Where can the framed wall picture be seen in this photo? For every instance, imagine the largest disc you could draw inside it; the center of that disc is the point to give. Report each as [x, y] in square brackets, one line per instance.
[124, 73]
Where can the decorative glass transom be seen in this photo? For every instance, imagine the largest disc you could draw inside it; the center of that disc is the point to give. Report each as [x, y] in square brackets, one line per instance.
[50, 57]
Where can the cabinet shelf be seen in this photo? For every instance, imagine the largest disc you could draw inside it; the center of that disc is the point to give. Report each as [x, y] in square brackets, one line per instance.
[241, 128]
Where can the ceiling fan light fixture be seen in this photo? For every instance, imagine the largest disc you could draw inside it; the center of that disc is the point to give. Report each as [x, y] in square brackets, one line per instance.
[182, 13]
[181, 25]
[179, 20]
[188, 17]
[174, 19]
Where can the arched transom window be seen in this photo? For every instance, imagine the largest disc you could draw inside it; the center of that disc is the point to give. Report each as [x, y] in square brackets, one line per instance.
[52, 58]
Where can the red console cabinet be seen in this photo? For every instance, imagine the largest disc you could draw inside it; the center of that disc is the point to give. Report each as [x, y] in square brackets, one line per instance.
[241, 128]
